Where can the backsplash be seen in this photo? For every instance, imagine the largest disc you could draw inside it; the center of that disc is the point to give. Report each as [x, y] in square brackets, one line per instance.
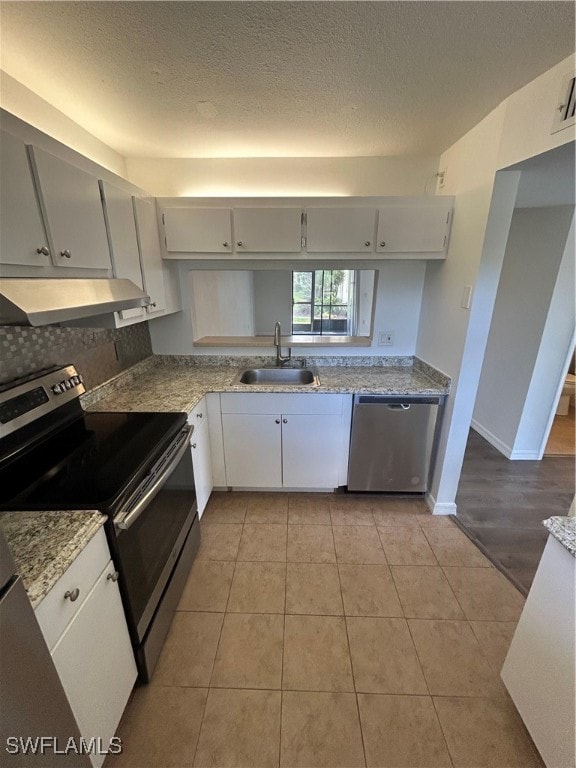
[97, 353]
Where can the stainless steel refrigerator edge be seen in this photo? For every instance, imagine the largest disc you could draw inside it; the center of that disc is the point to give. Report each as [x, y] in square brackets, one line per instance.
[392, 442]
[33, 701]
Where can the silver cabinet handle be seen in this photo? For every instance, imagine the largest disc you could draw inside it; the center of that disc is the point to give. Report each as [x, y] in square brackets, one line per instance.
[382, 244]
[66, 254]
[193, 445]
[113, 576]
[284, 421]
[198, 415]
[240, 243]
[277, 421]
[72, 594]
[225, 245]
[43, 251]
[367, 243]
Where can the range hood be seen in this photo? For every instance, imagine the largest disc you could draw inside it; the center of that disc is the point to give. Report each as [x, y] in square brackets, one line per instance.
[46, 301]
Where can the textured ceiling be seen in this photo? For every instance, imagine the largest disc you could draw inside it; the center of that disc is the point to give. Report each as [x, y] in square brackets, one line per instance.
[258, 79]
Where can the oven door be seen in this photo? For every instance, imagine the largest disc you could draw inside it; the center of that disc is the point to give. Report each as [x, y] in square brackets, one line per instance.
[150, 530]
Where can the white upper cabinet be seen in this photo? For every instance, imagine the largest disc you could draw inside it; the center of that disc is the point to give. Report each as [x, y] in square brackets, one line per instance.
[122, 239]
[414, 228]
[22, 236]
[340, 230]
[150, 254]
[198, 230]
[70, 201]
[267, 230]
[358, 227]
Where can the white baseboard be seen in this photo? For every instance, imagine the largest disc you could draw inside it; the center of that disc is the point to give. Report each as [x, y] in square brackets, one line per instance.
[440, 508]
[492, 439]
[525, 456]
[510, 453]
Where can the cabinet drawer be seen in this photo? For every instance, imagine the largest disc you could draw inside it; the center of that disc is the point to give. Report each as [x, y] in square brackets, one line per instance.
[55, 612]
[285, 403]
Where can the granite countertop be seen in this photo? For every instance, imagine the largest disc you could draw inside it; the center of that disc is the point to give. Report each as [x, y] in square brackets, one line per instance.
[563, 529]
[161, 384]
[44, 544]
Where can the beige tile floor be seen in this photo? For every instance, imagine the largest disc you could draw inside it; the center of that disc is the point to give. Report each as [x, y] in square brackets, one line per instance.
[319, 631]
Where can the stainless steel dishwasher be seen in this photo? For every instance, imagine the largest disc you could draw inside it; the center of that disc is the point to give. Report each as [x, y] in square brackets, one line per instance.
[392, 442]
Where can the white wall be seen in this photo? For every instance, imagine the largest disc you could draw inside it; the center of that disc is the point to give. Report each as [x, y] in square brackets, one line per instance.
[221, 303]
[272, 301]
[555, 350]
[28, 106]
[529, 115]
[284, 176]
[471, 165]
[450, 337]
[534, 251]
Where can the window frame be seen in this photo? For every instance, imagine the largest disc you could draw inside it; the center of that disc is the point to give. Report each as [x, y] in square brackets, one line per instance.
[313, 304]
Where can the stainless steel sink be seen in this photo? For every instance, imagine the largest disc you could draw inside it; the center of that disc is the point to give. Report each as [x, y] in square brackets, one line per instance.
[279, 376]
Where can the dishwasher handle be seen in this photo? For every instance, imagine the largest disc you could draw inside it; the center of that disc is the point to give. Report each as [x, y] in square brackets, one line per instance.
[398, 401]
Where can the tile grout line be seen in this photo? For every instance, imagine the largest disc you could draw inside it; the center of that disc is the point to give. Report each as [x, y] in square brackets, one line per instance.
[352, 668]
[442, 730]
[218, 643]
[283, 637]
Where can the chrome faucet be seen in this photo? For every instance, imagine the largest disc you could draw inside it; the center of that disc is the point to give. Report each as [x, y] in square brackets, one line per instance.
[280, 360]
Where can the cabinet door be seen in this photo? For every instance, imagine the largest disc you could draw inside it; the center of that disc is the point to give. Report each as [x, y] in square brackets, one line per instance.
[122, 240]
[198, 230]
[22, 236]
[340, 230]
[95, 662]
[150, 254]
[70, 199]
[268, 230]
[413, 228]
[311, 449]
[252, 450]
[202, 464]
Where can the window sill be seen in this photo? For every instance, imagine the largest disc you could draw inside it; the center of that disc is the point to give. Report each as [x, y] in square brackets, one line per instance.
[287, 341]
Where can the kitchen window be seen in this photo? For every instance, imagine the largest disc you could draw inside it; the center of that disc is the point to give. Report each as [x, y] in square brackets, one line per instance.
[324, 302]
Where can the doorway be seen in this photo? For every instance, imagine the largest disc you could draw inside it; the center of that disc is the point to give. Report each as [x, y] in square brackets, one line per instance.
[507, 487]
[562, 437]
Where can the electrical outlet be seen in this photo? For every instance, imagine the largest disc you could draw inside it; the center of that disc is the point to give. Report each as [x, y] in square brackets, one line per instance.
[442, 178]
[386, 338]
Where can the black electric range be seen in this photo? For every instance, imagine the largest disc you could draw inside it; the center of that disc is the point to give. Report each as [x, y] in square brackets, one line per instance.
[134, 467]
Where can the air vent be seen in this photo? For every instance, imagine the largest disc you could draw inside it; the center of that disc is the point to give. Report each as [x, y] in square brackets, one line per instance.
[564, 115]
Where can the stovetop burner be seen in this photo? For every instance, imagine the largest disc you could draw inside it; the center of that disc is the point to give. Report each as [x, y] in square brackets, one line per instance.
[64, 458]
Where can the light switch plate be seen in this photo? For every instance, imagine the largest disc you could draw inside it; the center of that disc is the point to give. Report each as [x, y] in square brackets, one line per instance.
[466, 297]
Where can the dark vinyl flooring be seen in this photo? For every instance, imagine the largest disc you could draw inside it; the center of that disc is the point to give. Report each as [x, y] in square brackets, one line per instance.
[501, 505]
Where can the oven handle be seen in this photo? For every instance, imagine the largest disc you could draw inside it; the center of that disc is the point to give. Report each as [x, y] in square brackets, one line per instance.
[134, 514]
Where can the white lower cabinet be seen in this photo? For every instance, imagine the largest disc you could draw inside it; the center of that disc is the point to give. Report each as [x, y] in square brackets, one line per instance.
[201, 455]
[311, 448]
[93, 655]
[252, 450]
[539, 668]
[290, 441]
